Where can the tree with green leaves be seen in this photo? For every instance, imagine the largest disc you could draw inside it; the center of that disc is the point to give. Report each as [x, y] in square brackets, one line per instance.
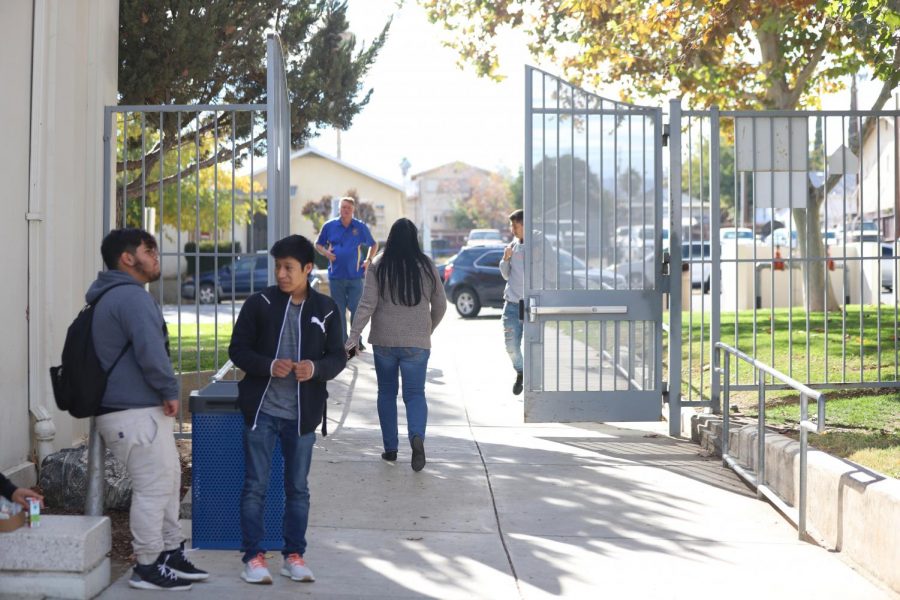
[734, 54]
[320, 211]
[214, 52]
[487, 203]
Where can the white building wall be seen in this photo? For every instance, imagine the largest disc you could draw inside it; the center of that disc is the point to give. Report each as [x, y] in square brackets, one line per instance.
[15, 70]
[62, 57]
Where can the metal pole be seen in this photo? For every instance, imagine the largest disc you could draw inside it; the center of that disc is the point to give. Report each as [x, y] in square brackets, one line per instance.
[801, 521]
[675, 267]
[107, 168]
[716, 257]
[726, 403]
[93, 501]
[761, 434]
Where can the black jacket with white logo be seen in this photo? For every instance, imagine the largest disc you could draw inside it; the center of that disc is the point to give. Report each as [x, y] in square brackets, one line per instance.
[254, 345]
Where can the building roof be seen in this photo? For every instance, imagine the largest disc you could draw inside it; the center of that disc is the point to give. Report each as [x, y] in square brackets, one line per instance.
[316, 152]
[456, 163]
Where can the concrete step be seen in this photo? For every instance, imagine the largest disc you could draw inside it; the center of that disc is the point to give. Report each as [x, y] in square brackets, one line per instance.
[63, 558]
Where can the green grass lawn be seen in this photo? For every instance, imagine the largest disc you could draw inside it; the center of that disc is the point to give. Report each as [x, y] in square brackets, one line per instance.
[209, 342]
[851, 347]
[863, 424]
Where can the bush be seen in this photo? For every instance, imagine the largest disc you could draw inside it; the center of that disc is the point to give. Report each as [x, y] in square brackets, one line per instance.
[207, 250]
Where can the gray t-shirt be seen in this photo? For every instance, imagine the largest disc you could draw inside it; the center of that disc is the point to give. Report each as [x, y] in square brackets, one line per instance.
[513, 272]
[282, 399]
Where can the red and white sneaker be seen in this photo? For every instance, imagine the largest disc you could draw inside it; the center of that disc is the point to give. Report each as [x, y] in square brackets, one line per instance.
[295, 568]
[256, 570]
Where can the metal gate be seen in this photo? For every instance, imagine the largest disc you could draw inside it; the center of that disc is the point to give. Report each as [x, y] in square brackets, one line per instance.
[594, 256]
[176, 171]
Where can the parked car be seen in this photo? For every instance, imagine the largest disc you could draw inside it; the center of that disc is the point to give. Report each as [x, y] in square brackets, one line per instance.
[779, 238]
[472, 279]
[441, 249]
[636, 240]
[696, 255]
[247, 274]
[743, 235]
[888, 265]
[867, 231]
[484, 237]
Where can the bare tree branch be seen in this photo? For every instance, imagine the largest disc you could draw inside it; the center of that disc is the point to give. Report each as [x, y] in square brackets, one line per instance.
[807, 71]
[153, 156]
[135, 188]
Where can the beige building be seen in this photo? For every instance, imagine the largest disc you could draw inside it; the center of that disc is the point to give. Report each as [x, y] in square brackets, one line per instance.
[315, 174]
[58, 69]
[436, 193]
[879, 191]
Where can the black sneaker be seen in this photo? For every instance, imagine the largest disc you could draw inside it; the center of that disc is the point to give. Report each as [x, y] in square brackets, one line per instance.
[178, 561]
[390, 455]
[517, 386]
[157, 576]
[418, 453]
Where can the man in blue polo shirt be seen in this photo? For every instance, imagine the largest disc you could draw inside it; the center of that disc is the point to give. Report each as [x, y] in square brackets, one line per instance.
[341, 241]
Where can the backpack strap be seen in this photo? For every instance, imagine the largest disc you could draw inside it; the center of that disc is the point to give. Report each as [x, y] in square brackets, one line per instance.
[110, 288]
[128, 345]
[118, 358]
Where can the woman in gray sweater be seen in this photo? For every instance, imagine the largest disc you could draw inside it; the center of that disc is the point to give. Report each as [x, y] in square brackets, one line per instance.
[404, 297]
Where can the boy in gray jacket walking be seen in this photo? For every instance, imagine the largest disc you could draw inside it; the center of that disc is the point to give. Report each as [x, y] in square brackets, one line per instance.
[512, 267]
[136, 415]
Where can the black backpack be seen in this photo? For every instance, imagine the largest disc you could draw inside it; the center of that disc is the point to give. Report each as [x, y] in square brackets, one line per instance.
[80, 381]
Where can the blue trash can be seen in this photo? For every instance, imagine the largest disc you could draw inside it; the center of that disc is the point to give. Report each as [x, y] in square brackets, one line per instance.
[218, 472]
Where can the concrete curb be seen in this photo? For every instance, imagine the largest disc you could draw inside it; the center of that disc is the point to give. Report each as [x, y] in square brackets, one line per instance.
[854, 510]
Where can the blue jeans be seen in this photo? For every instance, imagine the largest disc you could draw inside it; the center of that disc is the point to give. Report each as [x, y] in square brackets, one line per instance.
[512, 332]
[259, 444]
[390, 364]
[346, 294]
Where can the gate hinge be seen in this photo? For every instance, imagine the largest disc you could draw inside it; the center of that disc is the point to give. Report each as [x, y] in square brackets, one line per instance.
[665, 135]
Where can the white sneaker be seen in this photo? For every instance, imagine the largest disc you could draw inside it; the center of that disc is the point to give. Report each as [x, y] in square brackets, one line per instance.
[295, 568]
[257, 571]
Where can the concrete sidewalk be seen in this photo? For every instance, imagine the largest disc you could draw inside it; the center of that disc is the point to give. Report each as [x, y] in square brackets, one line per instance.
[508, 510]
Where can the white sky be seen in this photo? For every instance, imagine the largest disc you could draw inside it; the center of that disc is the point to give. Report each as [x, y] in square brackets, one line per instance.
[425, 108]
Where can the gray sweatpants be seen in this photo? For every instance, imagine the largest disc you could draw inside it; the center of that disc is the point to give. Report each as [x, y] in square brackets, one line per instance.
[143, 440]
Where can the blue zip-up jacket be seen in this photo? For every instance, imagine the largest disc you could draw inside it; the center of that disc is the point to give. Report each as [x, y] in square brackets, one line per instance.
[254, 345]
[128, 313]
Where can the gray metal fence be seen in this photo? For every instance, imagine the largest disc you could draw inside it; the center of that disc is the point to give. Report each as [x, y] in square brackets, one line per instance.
[786, 226]
[211, 182]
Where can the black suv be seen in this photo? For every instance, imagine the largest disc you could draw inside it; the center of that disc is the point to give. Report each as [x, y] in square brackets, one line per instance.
[472, 279]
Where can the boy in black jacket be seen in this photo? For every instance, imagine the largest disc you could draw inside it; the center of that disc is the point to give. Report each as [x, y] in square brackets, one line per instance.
[288, 341]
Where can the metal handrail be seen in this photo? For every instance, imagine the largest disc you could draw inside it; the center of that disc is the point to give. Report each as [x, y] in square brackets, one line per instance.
[223, 371]
[758, 481]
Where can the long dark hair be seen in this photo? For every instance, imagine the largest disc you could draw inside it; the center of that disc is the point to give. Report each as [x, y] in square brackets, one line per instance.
[402, 262]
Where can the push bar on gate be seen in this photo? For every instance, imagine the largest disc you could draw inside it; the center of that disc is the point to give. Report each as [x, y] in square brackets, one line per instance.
[534, 311]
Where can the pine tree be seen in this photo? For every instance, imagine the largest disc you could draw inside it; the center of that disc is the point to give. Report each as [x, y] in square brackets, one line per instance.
[214, 52]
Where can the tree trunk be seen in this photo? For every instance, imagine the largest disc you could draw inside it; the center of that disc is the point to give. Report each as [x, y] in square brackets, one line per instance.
[819, 296]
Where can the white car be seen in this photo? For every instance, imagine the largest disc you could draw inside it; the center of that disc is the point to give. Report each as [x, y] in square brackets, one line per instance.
[779, 238]
[484, 237]
[743, 235]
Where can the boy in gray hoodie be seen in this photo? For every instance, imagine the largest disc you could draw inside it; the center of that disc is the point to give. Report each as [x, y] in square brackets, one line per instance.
[512, 267]
[136, 415]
